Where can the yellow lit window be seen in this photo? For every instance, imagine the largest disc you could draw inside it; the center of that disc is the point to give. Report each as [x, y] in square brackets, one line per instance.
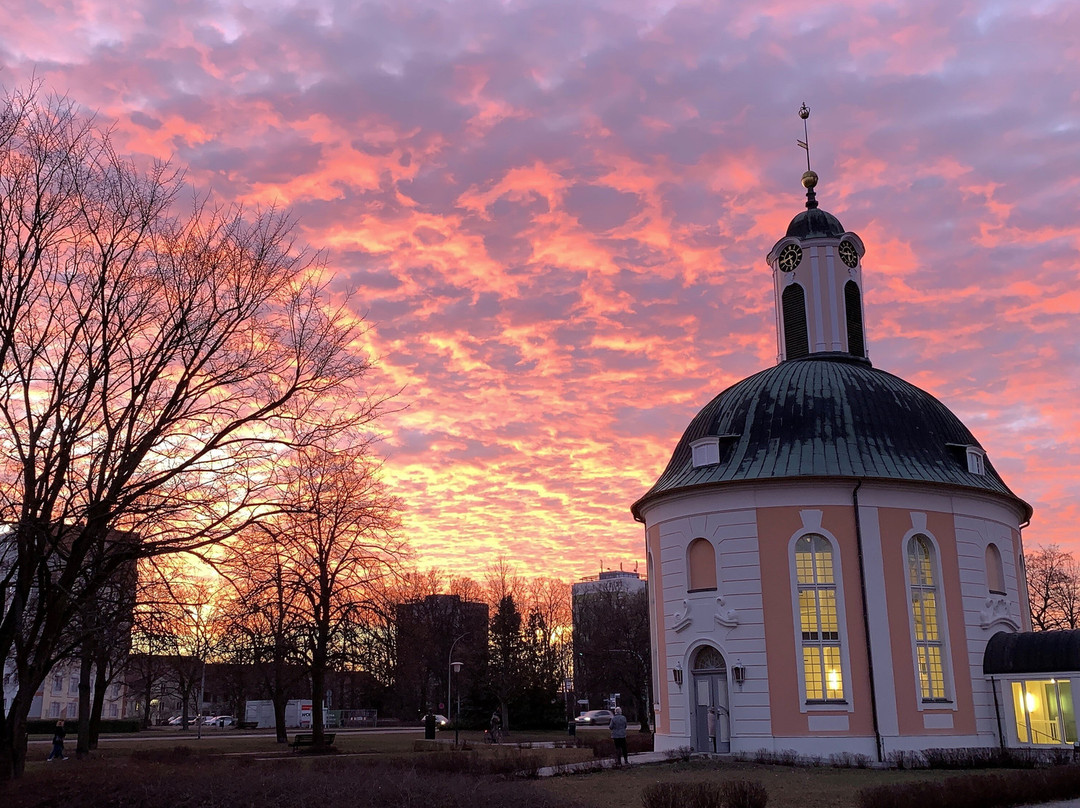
[1043, 710]
[929, 653]
[819, 619]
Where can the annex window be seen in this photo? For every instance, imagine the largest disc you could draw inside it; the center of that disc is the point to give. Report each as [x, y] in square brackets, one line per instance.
[701, 565]
[1043, 710]
[995, 572]
[796, 335]
[926, 617]
[820, 619]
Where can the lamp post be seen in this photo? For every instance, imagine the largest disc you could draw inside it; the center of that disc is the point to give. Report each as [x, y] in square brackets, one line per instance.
[451, 668]
[457, 715]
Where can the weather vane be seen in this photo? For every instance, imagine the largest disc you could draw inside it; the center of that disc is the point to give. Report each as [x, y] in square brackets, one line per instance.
[804, 113]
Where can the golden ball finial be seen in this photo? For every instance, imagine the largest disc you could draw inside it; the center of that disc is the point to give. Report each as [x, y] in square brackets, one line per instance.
[804, 111]
[809, 179]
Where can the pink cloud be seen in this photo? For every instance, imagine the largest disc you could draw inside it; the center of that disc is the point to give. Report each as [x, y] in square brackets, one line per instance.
[557, 212]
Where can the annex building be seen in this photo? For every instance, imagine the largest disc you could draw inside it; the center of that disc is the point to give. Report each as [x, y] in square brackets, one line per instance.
[834, 564]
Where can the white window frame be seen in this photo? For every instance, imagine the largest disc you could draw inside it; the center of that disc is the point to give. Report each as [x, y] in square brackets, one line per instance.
[976, 460]
[949, 700]
[818, 705]
[705, 452]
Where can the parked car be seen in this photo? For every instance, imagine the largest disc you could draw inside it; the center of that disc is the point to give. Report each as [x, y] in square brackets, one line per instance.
[441, 721]
[176, 720]
[219, 721]
[595, 717]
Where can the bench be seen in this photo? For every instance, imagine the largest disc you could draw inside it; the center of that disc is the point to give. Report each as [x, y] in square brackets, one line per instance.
[247, 724]
[308, 739]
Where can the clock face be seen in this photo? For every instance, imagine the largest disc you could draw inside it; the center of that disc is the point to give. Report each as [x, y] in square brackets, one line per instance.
[790, 257]
[848, 254]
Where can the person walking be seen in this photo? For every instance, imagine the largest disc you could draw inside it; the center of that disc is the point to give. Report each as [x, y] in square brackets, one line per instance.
[58, 742]
[618, 735]
[495, 726]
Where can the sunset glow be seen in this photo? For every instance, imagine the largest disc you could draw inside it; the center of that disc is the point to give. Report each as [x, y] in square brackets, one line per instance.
[556, 214]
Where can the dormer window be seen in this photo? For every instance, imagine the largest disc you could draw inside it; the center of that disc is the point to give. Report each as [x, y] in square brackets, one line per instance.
[976, 460]
[706, 452]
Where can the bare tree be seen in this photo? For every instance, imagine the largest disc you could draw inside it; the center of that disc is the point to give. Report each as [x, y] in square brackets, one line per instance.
[334, 542]
[265, 611]
[1053, 578]
[612, 647]
[153, 366]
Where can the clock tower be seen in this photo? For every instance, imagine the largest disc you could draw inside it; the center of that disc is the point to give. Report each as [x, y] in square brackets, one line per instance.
[817, 280]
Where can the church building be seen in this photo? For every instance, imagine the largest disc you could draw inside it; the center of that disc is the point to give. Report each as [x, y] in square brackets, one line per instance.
[830, 552]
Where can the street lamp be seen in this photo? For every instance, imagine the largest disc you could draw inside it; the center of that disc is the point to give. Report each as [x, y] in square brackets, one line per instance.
[454, 667]
[457, 715]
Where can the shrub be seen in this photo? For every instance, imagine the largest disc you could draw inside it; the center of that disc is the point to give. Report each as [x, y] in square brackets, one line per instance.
[784, 757]
[683, 753]
[850, 760]
[332, 782]
[682, 795]
[978, 790]
[178, 754]
[46, 726]
[603, 746]
[508, 762]
[905, 760]
[743, 794]
[731, 794]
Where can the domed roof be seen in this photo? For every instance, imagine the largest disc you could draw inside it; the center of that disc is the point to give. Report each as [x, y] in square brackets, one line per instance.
[815, 223]
[827, 415]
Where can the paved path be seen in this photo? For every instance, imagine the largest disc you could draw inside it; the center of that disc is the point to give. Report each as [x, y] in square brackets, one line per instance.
[602, 763]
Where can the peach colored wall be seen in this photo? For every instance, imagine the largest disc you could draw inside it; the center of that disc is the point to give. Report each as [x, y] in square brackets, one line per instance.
[894, 524]
[656, 586]
[776, 526]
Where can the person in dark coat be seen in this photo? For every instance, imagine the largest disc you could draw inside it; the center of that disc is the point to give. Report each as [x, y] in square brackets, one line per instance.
[58, 742]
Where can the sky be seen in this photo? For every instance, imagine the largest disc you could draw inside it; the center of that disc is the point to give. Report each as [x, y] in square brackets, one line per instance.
[555, 214]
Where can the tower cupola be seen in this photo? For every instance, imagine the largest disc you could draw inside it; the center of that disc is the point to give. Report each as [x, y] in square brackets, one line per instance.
[817, 280]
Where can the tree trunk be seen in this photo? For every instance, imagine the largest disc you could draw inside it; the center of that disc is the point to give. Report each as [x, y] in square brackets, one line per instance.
[101, 686]
[82, 744]
[280, 700]
[148, 697]
[318, 692]
[13, 738]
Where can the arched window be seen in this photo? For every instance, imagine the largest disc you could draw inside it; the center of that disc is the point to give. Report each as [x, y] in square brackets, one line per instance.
[701, 565]
[995, 572]
[709, 659]
[925, 610]
[853, 310]
[820, 618]
[796, 337]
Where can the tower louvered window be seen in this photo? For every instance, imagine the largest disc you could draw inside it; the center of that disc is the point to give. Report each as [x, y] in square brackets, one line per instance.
[853, 310]
[796, 339]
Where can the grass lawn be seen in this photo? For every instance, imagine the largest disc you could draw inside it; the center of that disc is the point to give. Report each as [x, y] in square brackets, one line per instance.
[788, 787]
[245, 768]
[256, 744]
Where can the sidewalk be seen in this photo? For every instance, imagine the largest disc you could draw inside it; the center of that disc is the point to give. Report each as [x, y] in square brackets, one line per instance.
[605, 763]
